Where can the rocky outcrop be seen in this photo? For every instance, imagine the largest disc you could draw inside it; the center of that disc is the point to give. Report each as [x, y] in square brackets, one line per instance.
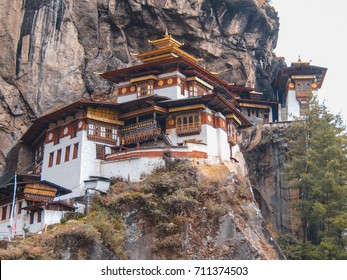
[264, 149]
[52, 48]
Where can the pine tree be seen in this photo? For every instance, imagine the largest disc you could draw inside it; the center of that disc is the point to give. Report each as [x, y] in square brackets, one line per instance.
[317, 167]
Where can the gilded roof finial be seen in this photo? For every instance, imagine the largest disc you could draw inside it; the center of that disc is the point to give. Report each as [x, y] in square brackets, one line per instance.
[166, 33]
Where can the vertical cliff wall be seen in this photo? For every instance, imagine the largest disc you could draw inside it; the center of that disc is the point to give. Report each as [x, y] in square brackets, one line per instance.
[264, 148]
[51, 48]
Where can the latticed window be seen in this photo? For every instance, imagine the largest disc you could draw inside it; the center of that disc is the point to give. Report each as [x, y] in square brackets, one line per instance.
[91, 129]
[114, 133]
[192, 91]
[188, 123]
[144, 88]
[196, 89]
[99, 131]
[102, 131]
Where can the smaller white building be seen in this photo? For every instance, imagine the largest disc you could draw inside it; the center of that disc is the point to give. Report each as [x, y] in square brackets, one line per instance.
[34, 208]
[296, 85]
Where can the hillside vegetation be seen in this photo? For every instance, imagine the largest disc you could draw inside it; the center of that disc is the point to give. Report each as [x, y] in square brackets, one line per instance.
[180, 211]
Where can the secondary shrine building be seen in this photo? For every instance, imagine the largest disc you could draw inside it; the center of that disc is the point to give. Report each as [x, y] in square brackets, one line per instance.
[34, 206]
[168, 105]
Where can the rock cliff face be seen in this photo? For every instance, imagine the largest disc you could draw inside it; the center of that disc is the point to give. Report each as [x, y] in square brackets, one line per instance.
[51, 48]
[264, 149]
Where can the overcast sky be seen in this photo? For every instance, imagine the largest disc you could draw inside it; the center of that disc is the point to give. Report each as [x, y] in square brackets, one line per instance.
[317, 30]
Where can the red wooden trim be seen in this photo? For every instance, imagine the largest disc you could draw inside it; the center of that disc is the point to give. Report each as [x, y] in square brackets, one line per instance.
[153, 154]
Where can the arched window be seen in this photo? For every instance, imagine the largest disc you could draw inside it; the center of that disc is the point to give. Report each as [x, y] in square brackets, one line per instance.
[190, 124]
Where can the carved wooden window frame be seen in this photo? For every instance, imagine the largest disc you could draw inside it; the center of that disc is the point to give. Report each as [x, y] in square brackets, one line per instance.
[145, 88]
[102, 132]
[188, 123]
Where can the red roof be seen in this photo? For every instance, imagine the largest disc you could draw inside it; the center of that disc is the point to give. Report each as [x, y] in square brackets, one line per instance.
[285, 73]
[42, 122]
[185, 65]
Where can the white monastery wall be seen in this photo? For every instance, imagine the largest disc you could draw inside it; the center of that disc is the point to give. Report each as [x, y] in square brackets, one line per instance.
[293, 107]
[90, 164]
[173, 92]
[130, 169]
[126, 98]
[67, 173]
[223, 145]
[98, 185]
[211, 140]
[175, 139]
[216, 140]
[52, 217]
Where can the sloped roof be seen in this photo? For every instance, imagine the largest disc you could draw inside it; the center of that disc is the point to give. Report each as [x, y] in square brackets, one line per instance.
[186, 67]
[214, 101]
[299, 69]
[41, 123]
[24, 179]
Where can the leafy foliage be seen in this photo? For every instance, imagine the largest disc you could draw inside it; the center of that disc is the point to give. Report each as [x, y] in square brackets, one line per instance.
[317, 167]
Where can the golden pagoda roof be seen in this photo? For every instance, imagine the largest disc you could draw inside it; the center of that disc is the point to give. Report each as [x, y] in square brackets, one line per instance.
[166, 47]
[300, 62]
[167, 41]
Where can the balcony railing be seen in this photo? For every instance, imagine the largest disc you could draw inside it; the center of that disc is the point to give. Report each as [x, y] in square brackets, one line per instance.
[187, 129]
[143, 131]
[304, 94]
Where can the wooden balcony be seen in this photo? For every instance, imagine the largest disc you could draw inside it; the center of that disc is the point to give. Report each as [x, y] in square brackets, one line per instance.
[303, 95]
[188, 129]
[143, 131]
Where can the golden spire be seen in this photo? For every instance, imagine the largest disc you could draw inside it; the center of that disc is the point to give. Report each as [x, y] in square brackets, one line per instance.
[166, 47]
[300, 62]
[167, 41]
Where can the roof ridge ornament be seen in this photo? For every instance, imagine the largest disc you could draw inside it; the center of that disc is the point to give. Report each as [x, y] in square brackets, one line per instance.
[165, 48]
